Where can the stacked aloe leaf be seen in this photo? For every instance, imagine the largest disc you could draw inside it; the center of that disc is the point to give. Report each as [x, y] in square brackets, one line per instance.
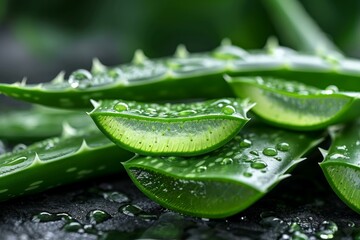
[204, 158]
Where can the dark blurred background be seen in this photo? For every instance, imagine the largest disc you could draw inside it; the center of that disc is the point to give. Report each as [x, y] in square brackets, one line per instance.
[39, 38]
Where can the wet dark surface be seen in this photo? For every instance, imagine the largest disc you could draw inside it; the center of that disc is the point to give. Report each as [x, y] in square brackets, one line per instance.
[301, 207]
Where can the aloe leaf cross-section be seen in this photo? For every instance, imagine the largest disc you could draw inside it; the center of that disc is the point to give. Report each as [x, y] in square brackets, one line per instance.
[341, 164]
[184, 129]
[227, 180]
[294, 105]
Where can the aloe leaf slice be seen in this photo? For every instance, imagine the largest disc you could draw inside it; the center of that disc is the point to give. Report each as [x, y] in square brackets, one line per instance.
[39, 123]
[196, 75]
[294, 105]
[58, 161]
[341, 164]
[227, 180]
[184, 129]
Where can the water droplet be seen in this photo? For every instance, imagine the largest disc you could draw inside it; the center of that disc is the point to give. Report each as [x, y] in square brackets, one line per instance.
[45, 217]
[80, 79]
[201, 169]
[226, 161]
[116, 197]
[255, 153]
[19, 147]
[130, 210]
[148, 217]
[278, 158]
[338, 156]
[120, 107]
[351, 224]
[115, 73]
[342, 148]
[269, 151]
[73, 227]
[245, 143]
[247, 174]
[327, 229]
[228, 110]
[284, 147]
[98, 216]
[187, 112]
[258, 165]
[332, 88]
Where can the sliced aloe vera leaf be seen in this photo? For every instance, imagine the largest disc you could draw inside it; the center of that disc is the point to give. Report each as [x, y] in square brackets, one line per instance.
[58, 161]
[341, 164]
[227, 180]
[184, 129]
[196, 75]
[39, 123]
[294, 105]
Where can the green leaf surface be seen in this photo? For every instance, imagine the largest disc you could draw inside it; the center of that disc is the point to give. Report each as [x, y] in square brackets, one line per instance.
[294, 105]
[39, 123]
[183, 129]
[341, 164]
[58, 161]
[185, 75]
[225, 181]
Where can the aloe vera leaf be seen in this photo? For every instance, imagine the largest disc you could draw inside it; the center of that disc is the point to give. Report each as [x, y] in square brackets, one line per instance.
[296, 25]
[39, 123]
[184, 129]
[225, 181]
[58, 161]
[185, 75]
[341, 164]
[294, 105]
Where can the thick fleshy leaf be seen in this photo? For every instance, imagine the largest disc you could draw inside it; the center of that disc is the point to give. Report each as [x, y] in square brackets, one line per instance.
[185, 75]
[341, 164]
[39, 123]
[58, 161]
[184, 129]
[225, 181]
[294, 105]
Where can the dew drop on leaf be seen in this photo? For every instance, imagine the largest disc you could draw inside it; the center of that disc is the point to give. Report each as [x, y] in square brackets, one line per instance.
[269, 151]
[201, 169]
[19, 147]
[226, 161]
[120, 107]
[245, 143]
[80, 79]
[258, 165]
[284, 147]
[228, 110]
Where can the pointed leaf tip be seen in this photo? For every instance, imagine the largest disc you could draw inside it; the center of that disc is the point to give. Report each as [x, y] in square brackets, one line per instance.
[23, 81]
[271, 44]
[139, 57]
[227, 78]
[226, 42]
[59, 77]
[94, 103]
[181, 51]
[323, 152]
[97, 66]
[68, 130]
